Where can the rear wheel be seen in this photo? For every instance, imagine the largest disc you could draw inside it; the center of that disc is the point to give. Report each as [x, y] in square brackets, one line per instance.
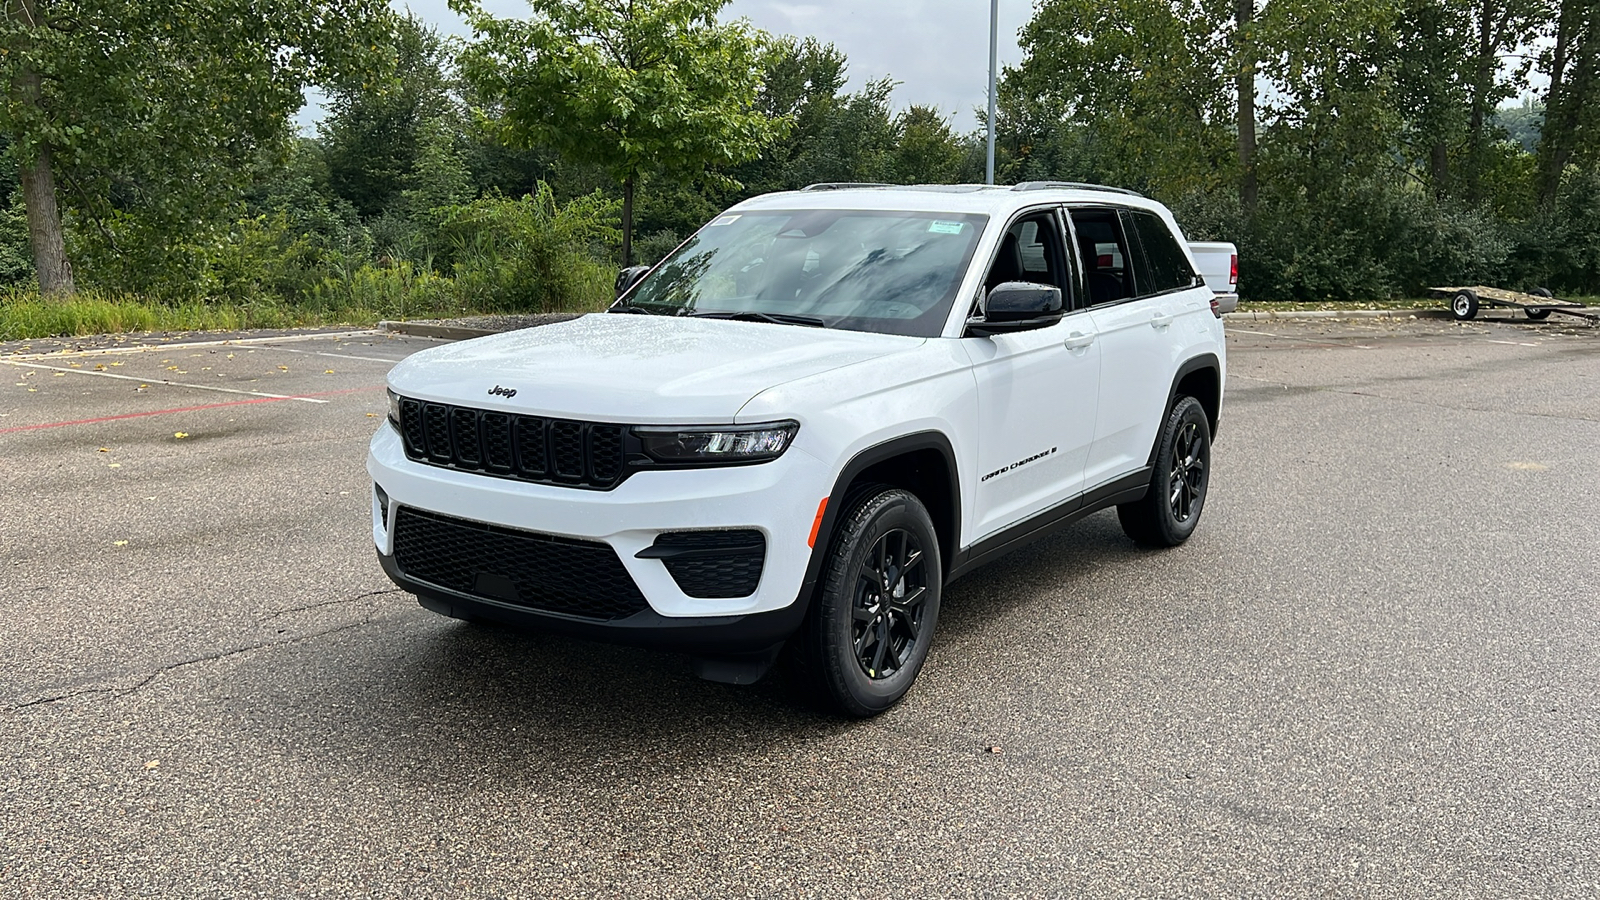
[1170, 509]
[1464, 306]
[1538, 313]
[869, 630]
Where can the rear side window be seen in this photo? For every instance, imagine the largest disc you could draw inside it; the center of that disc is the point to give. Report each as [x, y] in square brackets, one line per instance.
[1165, 267]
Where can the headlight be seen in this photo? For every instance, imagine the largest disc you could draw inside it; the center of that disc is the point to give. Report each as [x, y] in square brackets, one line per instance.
[394, 409]
[717, 443]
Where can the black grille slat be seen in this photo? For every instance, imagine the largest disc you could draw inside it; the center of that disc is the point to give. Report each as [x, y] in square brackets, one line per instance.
[528, 448]
[525, 568]
[714, 564]
[464, 430]
[531, 447]
[605, 453]
[436, 425]
[566, 450]
[412, 428]
[497, 441]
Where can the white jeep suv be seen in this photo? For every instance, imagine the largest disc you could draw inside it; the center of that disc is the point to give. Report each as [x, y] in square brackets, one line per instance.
[805, 422]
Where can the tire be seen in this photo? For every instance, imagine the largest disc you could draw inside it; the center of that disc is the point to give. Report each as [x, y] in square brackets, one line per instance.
[1464, 306]
[1539, 314]
[1170, 509]
[857, 654]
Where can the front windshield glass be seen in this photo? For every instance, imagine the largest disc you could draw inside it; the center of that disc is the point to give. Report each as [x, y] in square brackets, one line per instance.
[862, 270]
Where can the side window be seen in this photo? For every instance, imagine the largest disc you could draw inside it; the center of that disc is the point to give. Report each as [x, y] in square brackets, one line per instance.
[1103, 249]
[1165, 267]
[1031, 251]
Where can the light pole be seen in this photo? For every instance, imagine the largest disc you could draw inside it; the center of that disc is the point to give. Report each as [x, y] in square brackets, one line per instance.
[994, 40]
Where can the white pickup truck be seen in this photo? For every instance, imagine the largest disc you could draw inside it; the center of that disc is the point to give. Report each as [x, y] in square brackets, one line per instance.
[1219, 265]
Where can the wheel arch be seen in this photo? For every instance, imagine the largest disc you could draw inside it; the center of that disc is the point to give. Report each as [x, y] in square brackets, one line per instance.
[1199, 377]
[922, 463]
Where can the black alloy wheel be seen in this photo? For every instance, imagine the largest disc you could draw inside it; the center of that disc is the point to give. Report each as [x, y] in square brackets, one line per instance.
[1169, 511]
[869, 628]
[890, 604]
[1187, 482]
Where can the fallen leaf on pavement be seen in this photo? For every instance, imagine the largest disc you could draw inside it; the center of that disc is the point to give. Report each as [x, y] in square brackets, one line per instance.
[180, 435]
[120, 543]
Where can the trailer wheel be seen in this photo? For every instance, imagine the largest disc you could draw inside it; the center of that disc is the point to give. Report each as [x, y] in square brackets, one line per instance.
[1539, 313]
[1464, 306]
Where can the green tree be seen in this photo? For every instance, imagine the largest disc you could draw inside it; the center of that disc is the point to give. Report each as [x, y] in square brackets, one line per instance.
[641, 86]
[164, 101]
[374, 132]
[1572, 103]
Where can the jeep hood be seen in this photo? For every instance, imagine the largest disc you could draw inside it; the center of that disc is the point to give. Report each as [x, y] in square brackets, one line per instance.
[637, 369]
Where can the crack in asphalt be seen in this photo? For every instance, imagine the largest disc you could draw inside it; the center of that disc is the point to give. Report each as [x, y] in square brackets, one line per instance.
[295, 609]
[114, 692]
[1435, 404]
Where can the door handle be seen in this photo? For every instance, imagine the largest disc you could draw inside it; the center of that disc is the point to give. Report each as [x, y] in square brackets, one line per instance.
[1160, 320]
[1078, 340]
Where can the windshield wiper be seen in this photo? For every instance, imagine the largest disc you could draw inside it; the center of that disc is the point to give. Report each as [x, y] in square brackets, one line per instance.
[628, 308]
[777, 318]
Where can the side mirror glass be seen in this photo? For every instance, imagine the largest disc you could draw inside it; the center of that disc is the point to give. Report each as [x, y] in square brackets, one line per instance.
[629, 277]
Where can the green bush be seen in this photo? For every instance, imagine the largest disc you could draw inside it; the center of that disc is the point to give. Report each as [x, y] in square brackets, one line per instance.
[531, 254]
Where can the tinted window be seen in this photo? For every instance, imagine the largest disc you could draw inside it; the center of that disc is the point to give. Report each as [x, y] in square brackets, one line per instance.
[1104, 254]
[1167, 267]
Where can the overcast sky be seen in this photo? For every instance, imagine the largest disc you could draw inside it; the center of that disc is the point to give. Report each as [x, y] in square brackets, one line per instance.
[937, 49]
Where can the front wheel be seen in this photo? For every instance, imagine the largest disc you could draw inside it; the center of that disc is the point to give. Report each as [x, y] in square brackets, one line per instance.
[869, 630]
[1170, 509]
[1464, 306]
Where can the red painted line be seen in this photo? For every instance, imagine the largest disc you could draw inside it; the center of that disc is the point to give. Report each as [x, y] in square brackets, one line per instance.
[182, 409]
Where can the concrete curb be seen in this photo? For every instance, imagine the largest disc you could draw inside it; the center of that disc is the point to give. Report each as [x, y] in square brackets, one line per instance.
[1268, 315]
[432, 330]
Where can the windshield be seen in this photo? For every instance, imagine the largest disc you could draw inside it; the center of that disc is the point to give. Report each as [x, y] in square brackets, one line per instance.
[862, 270]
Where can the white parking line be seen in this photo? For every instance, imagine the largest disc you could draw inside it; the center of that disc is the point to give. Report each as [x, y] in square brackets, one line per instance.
[378, 359]
[180, 384]
[167, 348]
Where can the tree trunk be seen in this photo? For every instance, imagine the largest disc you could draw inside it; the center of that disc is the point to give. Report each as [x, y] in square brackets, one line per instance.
[1439, 168]
[1245, 85]
[38, 179]
[627, 221]
[1562, 105]
[1482, 83]
[44, 227]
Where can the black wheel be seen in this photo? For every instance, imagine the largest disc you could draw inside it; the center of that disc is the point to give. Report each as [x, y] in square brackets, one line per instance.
[1537, 313]
[1169, 511]
[1464, 306]
[868, 631]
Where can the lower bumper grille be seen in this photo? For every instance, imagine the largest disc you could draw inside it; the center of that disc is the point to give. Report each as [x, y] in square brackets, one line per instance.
[539, 571]
[712, 564]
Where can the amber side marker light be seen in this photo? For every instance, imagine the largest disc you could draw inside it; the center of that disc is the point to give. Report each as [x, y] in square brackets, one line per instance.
[816, 524]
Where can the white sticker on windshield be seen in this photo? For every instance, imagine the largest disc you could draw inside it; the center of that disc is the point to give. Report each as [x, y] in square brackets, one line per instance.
[723, 220]
[946, 227]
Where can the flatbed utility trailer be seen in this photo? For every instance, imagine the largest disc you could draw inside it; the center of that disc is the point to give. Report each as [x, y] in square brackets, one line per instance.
[1537, 304]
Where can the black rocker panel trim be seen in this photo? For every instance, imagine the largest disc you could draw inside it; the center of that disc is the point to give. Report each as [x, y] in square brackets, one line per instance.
[1126, 489]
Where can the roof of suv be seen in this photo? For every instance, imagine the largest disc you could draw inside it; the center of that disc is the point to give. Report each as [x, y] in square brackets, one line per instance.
[953, 198]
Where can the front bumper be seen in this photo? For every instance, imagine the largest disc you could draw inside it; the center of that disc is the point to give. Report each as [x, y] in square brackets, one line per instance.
[777, 498]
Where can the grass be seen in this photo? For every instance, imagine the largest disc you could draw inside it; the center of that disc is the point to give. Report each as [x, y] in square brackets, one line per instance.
[25, 315]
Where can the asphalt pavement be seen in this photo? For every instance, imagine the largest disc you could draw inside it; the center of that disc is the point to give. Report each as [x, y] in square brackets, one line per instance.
[1372, 672]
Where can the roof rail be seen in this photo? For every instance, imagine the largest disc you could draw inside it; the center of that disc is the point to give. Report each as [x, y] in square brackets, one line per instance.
[844, 185]
[1072, 186]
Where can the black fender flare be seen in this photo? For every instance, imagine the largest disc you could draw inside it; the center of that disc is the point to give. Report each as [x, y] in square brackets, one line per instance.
[897, 446]
[1190, 366]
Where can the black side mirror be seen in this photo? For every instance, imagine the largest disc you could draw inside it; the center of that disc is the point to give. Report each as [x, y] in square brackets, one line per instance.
[629, 277]
[1018, 306]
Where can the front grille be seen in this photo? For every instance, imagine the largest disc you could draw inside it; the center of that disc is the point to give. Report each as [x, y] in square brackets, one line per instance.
[529, 448]
[712, 564]
[539, 571]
